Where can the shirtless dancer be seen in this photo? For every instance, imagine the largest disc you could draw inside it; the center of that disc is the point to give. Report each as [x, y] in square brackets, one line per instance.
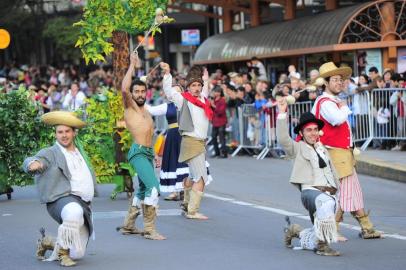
[141, 155]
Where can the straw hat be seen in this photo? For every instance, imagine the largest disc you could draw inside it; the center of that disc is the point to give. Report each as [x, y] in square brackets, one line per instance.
[62, 118]
[330, 69]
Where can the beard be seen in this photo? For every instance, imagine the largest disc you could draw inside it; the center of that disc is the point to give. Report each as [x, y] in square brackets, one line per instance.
[140, 101]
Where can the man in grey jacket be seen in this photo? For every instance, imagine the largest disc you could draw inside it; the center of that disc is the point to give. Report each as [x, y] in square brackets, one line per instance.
[315, 177]
[66, 184]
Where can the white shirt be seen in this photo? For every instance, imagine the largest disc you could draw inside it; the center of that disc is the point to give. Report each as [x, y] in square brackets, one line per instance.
[81, 181]
[199, 119]
[73, 103]
[383, 116]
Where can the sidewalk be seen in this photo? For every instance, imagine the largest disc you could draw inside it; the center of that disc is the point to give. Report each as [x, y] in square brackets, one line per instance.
[386, 164]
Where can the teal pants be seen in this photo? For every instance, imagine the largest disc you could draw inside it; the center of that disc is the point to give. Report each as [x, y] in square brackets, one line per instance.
[142, 160]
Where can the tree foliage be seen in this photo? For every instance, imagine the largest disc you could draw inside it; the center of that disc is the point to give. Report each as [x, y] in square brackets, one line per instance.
[22, 134]
[102, 17]
[97, 136]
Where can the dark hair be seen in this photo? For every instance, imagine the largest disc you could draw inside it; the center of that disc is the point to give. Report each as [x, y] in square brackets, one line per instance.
[241, 89]
[231, 87]
[254, 58]
[139, 83]
[373, 69]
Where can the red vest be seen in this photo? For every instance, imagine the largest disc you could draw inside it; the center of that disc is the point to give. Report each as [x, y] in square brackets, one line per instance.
[334, 136]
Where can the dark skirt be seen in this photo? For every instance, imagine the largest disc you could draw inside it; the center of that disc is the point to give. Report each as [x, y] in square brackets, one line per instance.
[55, 210]
[172, 172]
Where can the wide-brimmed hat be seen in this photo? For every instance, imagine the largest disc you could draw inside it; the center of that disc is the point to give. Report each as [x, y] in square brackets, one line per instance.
[62, 118]
[330, 69]
[306, 118]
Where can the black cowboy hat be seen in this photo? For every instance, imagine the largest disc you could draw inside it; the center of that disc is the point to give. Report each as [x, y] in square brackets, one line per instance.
[306, 118]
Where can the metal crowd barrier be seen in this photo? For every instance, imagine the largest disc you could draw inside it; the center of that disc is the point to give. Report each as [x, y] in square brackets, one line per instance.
[386, 124]
[374, 117]
[248, 129]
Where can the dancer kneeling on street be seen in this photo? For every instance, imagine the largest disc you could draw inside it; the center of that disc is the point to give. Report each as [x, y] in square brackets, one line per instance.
[141, 155]
[315, 177]
[66, 184]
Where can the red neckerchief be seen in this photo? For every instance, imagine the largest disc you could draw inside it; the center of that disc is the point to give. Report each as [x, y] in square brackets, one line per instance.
[196, 101]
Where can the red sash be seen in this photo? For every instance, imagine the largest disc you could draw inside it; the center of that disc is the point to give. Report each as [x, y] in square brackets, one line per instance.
[196, 101]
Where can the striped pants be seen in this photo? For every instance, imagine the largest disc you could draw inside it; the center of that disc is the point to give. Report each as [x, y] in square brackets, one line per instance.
[350, 195]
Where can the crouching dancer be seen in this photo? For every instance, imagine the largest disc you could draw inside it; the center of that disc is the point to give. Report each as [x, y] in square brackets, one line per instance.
[315, 177]
[66, 184]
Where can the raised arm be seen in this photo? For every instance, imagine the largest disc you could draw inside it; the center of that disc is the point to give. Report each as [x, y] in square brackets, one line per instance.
[205, 89]
[170, 91]
[282, 134]
[126, 84]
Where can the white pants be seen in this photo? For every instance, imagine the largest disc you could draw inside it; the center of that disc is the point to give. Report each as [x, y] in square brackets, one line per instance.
[73, 233]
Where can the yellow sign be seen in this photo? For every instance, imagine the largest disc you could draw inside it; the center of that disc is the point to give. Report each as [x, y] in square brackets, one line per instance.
[4, 39]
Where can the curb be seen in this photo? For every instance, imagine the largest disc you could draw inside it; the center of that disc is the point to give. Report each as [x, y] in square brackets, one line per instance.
[380, 168]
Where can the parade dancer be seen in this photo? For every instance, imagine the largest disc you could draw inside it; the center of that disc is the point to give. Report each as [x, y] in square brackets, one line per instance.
[314, 175]
[141, 155]
[195, 114]
[172, 172]
[337, 138]
[66, 184]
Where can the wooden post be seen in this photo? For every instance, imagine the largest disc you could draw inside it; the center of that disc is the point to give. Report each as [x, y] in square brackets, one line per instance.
[331, 5]
[388, 25]
[255, 18]
[290, 10]
[227, 20]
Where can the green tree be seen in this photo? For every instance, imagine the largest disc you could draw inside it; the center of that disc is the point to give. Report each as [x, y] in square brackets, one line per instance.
[105, 27]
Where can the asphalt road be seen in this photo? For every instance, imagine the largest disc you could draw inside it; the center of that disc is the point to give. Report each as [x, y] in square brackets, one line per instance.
[246, 204]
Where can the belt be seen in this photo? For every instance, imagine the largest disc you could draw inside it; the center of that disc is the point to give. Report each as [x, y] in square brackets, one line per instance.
[330, 190]
[173, 125]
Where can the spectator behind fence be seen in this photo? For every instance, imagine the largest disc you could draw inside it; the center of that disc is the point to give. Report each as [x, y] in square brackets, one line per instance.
[398, 101]
[373, 74]
[75, 99]
[261, 68]
[219, 122]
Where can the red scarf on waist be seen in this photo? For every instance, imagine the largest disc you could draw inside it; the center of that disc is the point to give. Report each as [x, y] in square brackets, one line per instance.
[196, 101]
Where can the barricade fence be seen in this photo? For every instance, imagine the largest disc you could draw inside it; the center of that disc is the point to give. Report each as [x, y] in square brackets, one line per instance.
[377, 116]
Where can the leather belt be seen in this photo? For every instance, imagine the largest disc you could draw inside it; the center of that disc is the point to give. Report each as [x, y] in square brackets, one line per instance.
[330, 190]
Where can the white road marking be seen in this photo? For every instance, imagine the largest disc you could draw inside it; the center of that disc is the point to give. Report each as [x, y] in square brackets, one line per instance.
[6, 215]
[121, 214]
[288, 213]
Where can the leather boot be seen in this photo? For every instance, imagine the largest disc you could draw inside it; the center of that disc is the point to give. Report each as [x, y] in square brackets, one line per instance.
[64, 259]
[324, 249]
[129, 221]
[367, 228]
[292, 231]
[186, 199]
[149, 223]
[44, 243]
[194, 205]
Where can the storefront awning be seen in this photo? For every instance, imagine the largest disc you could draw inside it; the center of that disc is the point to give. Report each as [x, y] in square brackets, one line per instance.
[311, 34]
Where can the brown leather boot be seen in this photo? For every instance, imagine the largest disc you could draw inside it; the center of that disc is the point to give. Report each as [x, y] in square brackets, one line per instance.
[64, 259]
[149, 223]
[292, 231]
[129, 221]
[44, 243]
[367, 228]
[324, 249]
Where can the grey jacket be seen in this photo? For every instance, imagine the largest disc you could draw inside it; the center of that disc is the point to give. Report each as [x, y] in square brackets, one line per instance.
[53, 181]
[303, 172]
